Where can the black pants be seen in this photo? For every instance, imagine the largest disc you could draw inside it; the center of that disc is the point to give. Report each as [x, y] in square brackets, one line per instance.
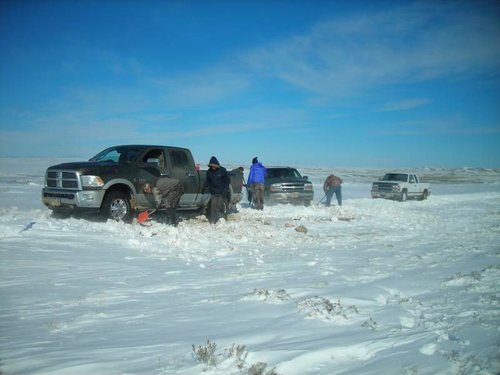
[215, 208]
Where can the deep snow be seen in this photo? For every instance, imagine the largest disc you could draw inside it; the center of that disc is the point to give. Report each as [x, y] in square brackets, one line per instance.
[373, 287]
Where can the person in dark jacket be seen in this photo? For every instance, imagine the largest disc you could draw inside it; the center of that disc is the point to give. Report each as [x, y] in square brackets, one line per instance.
[218, 185]
[256, 179]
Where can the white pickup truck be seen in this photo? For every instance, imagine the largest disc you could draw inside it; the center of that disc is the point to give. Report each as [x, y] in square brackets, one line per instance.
[400, 186]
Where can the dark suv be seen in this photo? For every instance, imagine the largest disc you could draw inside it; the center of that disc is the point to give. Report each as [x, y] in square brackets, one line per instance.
[286, 185]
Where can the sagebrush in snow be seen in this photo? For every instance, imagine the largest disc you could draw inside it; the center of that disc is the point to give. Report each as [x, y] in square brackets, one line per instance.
[259, 368]
[323, 308]
[272, 295]
[370, 323]
[206, 354]
[239, 353]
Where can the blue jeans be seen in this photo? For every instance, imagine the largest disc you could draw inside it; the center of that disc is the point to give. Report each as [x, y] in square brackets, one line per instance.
[338, 194]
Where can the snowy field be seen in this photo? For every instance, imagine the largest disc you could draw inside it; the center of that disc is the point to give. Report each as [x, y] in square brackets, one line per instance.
[372, 287]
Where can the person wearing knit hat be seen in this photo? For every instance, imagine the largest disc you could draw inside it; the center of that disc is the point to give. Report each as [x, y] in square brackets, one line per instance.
[256, 179]
[217, 182]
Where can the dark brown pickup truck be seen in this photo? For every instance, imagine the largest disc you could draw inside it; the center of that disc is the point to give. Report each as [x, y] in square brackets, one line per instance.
[112, 182]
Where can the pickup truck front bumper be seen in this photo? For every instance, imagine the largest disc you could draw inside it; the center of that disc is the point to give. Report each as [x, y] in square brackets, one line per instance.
[62, 199]
[386, 195]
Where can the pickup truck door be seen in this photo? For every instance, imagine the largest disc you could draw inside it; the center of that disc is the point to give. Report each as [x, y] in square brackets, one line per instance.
[413, 185]
[180, 165]
[148, 167]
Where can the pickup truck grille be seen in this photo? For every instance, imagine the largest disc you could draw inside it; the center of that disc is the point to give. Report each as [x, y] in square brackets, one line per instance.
[62, 179]
[384, 186]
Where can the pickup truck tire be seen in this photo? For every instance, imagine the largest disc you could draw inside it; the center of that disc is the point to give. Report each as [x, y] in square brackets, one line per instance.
[424, 196]
[116, 206]
[404, 196]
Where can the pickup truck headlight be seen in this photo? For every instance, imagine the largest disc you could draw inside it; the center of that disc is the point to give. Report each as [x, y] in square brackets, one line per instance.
[275, 187]
[92, 181]
[308, 187]
[397, 187]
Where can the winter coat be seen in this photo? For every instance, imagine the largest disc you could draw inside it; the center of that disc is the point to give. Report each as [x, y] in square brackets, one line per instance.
[257, 175]
[330, 181]
[217, 179]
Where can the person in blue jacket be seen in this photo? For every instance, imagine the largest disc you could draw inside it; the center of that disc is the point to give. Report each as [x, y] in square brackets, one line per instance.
[256, 179]
[217, 183]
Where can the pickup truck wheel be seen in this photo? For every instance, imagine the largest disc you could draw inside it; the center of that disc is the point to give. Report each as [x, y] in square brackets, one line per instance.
[116, 206]
[424, 196]
[404, 196]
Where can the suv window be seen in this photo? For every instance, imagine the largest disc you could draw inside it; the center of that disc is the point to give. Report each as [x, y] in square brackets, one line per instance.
[283, 173]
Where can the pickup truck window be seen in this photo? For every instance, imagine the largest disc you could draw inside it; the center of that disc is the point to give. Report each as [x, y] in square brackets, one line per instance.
[155, 154]
[395, 177]
[179, 159]
[412, 179]
[113, 156]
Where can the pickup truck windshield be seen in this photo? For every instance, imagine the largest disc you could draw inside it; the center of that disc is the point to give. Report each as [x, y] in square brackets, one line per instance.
[395, 177]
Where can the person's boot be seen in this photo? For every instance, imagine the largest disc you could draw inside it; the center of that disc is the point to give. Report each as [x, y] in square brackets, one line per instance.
[172, 216]
[162, 216]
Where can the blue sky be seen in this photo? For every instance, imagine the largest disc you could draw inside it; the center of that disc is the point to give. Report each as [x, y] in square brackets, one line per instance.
[310, 83]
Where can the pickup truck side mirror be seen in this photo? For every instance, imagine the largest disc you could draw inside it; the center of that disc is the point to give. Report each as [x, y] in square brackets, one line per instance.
[154, 161]
[305, 177]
